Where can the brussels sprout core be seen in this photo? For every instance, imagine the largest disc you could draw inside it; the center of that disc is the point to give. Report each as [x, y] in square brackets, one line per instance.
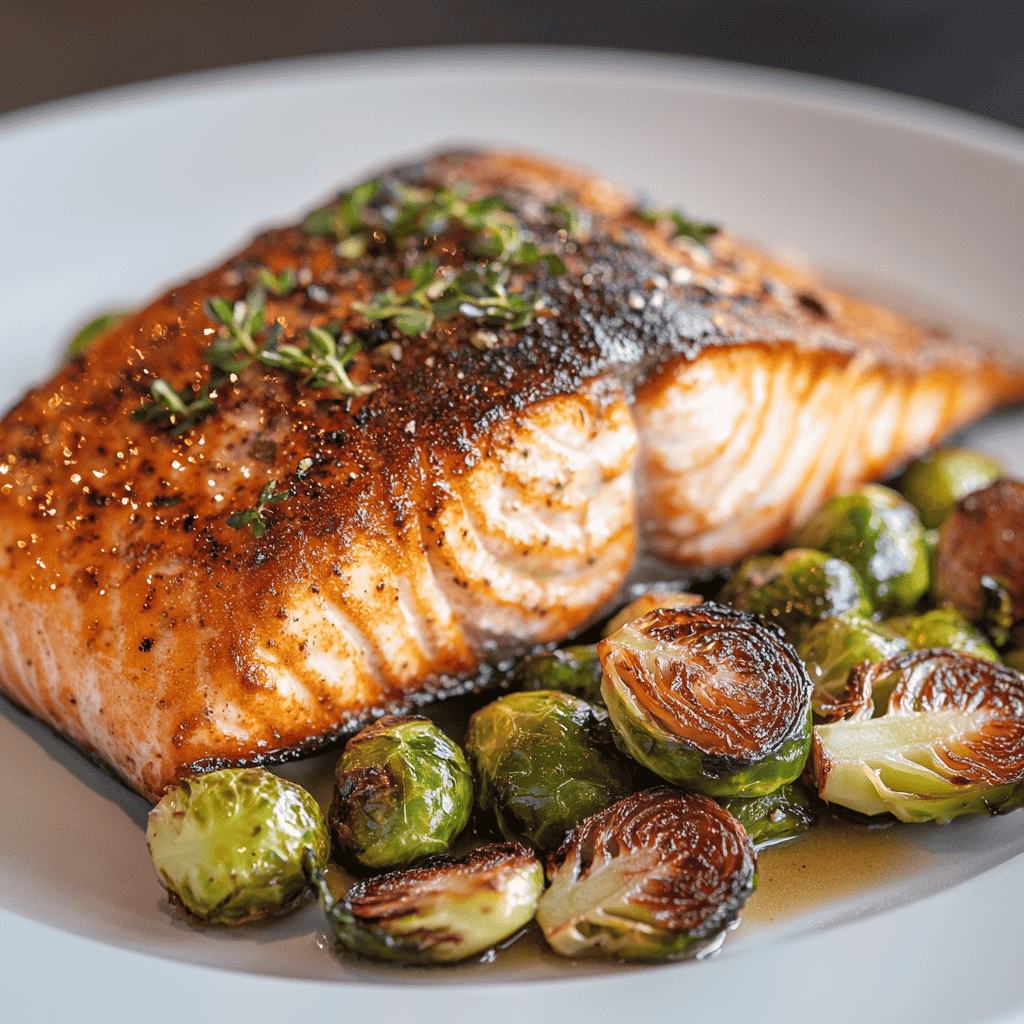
[658, 876]
[950, 740]
[236, 844]
[441, 912]
[709, 698]
[403, 791]
[544, 761]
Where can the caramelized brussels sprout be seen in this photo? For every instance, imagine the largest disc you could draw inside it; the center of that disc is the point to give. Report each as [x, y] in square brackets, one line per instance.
[403, 791]
[796, 589]
[647, 603]
[924, 735]
[709, 698]
[660, 875]
[769, 819]
[575, 670]
[832, 647]
[544, 761]
[880, 535]
[236, 844]
[983, 537]
[935, 483]
[438, 913]
[943, 627]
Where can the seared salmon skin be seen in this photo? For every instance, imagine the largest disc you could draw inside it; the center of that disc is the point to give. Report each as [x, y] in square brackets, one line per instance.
[425, 430]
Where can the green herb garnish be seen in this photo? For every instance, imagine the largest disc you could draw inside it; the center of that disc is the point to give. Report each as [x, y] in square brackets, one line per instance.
[92, 330]
[254, 516]
[681, 227]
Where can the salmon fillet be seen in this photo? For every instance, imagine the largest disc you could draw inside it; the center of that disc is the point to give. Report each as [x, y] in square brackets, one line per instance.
[249, 582]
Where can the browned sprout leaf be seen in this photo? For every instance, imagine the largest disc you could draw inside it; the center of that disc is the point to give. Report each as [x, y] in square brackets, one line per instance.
[441, 912]
[924, 735]
[660, 875]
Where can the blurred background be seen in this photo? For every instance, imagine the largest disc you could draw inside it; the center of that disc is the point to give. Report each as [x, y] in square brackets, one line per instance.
[964, 54]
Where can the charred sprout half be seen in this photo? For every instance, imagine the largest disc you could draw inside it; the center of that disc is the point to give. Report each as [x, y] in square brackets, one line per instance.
[660, 875]
[935, 483]
[797, 589]
[403, 791]
[879, 533]
[236, 844]
[575, 670]
[441, 912]
[544, 761]
[924, 735]
[980, 552]
[709, 698]
[943, 627]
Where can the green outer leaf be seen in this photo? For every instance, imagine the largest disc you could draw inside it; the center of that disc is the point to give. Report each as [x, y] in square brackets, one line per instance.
[879, 533]
[782, 814]
[425, 805]
[543, 761]
[236, 844]
[574, 670]
[943, 627]
[94, 329]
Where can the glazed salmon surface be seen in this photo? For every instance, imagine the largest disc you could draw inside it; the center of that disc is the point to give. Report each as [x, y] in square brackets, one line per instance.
[490, 493]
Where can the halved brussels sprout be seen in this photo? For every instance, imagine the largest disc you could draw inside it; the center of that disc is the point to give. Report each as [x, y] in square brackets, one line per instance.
[935, 483]
[660, 875]
[647, 603]
[832, 647]
[403, 791]
[575, 670]
[881, 536]
[796, 589]
[544, 761]
[943, 627]
[924, 735]
[783, 814]
[236, 844]
[709, 698]
[982, 543]
[441, 912]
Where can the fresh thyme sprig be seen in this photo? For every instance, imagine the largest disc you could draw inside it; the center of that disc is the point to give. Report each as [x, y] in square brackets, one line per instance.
[244, 342]
[254, 516]
[681, 227]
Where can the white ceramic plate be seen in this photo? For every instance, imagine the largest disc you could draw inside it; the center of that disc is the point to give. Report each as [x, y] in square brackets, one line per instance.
[108, 198]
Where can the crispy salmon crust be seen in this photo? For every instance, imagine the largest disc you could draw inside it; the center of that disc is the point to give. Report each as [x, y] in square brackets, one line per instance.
[479, 501]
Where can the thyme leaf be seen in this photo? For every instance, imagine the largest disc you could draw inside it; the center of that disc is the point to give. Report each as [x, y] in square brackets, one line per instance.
[681, 227]
[254, 517]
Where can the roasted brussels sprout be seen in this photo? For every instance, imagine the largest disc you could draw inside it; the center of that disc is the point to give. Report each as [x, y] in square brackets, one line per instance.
[575, 670]
[980, 546]
[832, 647]
[236, 844]
[441, 912]
[796, 589]
[544, 761]
[1015, 658]
[935, 483]
[660, 875]
[783, 814]
[943, 627]
[880, 535]
[647, 603]
[403, 791]
[709, 698]
[924, 735]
